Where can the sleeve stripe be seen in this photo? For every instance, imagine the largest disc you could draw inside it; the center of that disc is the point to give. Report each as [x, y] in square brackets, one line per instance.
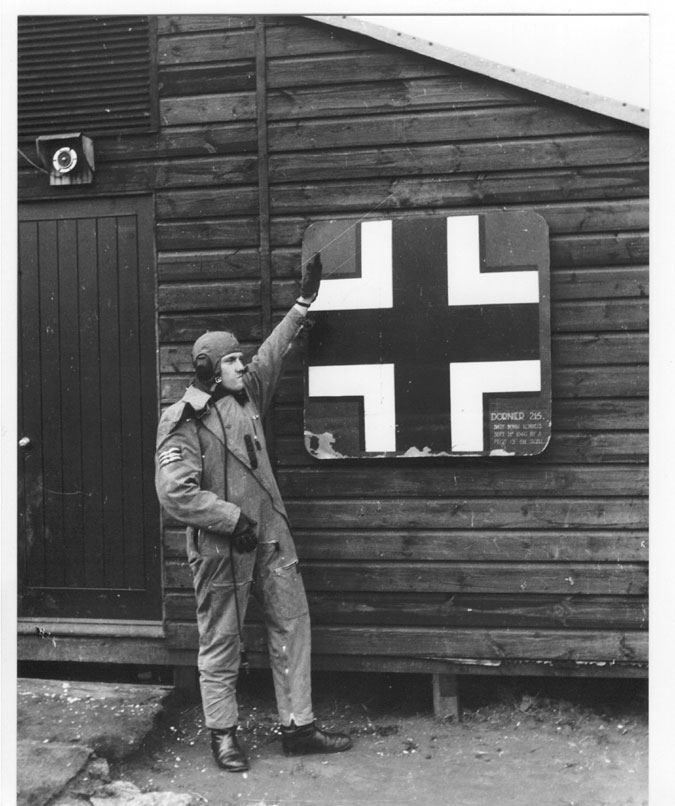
[171, 455]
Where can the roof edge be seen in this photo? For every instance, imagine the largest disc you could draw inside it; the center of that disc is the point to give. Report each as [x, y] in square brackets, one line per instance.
[626, 112]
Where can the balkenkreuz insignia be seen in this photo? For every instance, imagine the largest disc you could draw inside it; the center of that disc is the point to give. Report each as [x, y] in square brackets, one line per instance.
[430, 337]
[169, 456]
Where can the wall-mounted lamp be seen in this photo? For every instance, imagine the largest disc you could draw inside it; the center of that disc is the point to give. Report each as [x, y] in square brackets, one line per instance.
[69, 158]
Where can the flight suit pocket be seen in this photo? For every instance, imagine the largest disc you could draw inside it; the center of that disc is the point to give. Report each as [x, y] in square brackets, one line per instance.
[212, 544]
[285, 593]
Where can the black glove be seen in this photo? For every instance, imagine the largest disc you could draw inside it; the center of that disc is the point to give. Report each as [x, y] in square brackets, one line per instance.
[311, 279]
[243, 537]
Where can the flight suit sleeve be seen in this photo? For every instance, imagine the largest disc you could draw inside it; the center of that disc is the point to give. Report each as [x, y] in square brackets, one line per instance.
[178, 471]
[266, 366]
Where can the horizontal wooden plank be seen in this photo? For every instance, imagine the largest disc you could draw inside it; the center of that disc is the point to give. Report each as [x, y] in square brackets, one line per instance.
[221, 264]
[377, 198]
[456, 610]
[464, 513]
[601, 348]
[601, 415]
[223, 169]
[188, 23]
[191, 48]
[445, 92]
[616, 381]
[600, 315]
[215, 108]
[603, 282]
[472, 546]
[425, 127]
[300, 36]
[72, 649]
[207, 79]
[195, 141]
[574, 218]
[596, 446]
[540, 668]
[224, 264]
[188, 327]
[208, 296]
[457, 477]
[611, 148]
[215, 202]
[439, 643]
[345, 68]
[604, 579]
[594, 249]
[229, 233]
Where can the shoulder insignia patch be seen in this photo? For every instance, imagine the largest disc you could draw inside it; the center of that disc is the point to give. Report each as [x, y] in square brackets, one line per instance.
[174, 454]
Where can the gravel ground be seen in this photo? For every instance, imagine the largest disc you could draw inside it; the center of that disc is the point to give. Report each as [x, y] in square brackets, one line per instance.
[520, 742]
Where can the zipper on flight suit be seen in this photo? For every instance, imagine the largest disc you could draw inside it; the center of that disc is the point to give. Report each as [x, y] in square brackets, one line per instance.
[255, 432]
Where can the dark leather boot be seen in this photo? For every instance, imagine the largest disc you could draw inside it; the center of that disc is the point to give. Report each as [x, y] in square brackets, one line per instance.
[311, 739]
[227, 752]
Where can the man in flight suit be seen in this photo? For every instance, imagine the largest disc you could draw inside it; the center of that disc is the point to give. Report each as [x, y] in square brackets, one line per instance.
[213, 473]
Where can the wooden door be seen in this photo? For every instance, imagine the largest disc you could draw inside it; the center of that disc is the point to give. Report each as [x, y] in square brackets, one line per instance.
[88, 516]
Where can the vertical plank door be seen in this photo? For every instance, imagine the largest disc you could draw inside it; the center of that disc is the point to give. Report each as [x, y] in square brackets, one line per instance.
[88, 516]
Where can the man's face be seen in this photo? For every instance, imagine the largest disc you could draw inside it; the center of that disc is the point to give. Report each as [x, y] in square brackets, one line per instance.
[232, 372]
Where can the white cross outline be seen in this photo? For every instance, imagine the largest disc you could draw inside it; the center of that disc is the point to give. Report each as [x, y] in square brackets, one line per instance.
[374, 288]
[467, 285]
[375, 384]
[470, 380]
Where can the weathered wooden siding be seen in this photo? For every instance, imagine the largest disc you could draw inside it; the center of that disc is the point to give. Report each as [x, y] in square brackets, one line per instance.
[534, 559]
[411, 561]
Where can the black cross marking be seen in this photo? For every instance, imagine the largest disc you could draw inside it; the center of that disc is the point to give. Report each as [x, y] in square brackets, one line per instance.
[421, 335]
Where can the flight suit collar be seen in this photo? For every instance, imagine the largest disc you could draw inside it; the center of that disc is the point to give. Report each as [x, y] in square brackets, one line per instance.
[196, 398]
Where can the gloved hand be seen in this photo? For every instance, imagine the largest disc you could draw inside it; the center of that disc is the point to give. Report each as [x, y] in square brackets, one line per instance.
[243, 537]
[311, 279]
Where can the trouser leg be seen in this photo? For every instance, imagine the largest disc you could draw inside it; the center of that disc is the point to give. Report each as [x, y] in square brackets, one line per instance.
[219, 644]
[284, 604]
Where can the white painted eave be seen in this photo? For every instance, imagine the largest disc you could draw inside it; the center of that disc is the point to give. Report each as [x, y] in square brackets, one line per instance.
[520, 78]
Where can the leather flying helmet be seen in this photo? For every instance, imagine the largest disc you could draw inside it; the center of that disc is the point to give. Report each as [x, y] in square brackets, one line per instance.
[209, 349]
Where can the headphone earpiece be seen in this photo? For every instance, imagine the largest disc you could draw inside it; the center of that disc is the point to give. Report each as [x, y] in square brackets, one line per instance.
[204, 368]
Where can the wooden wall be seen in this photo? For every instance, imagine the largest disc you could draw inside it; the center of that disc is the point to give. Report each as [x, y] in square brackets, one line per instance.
[404, 561]
[408, 562]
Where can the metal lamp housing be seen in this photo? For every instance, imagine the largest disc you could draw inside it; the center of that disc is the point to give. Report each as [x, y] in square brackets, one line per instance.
[68, 158]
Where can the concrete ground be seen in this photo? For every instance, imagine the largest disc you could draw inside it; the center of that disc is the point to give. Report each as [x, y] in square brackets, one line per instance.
[549, 743]
[67, 730]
